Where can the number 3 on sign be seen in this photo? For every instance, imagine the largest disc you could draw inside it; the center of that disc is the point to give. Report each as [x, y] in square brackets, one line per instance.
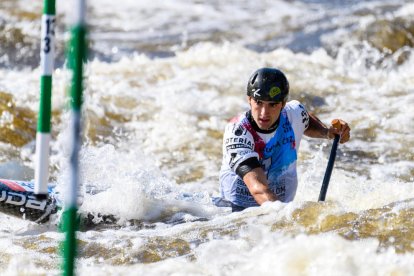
[48, 32]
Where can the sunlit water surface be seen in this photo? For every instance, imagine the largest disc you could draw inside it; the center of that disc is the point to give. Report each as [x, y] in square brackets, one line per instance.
[162, 79]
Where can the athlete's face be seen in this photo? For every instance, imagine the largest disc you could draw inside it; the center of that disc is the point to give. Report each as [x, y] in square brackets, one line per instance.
[265, 113]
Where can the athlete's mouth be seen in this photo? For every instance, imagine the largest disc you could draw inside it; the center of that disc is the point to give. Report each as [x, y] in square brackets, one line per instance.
[264, 121]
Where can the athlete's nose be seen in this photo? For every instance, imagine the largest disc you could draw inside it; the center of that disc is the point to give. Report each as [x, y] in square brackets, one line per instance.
[264, 110]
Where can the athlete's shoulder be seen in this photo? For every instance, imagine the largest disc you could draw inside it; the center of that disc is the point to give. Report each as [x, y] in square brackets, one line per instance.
[296, 111]
[235, 123]
[293, 105]
[237, 130]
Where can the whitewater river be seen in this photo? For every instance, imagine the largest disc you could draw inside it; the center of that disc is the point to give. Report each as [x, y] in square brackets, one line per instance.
[161, 81]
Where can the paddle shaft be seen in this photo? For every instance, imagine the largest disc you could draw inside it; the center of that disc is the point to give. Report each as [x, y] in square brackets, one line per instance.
[329, 168]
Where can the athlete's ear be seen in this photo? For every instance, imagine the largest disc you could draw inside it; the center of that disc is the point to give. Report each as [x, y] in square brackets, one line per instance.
[284, 103]
[248, 100]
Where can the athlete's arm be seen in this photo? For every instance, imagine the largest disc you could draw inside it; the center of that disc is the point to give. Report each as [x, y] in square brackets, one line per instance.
[256, 182]
[317, 129]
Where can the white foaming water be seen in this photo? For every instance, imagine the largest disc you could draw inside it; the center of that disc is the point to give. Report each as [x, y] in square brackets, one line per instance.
[124, 179]
[265, 253]
[126, 185]
[152, 149]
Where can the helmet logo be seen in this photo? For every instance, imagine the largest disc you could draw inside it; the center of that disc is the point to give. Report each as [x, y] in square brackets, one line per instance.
[274, 91]
[256, 93]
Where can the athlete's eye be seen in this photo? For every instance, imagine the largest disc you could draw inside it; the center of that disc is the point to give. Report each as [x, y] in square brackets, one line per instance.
[274, 104]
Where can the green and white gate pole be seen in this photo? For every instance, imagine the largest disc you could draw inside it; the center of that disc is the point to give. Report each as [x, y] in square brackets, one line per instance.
[77, 54]
[47, 50]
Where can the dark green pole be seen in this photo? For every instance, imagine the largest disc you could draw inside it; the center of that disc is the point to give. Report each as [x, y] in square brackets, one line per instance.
[77, 54]
[43, 123]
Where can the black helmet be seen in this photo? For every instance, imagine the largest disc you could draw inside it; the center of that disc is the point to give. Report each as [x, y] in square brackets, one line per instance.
[268, 84]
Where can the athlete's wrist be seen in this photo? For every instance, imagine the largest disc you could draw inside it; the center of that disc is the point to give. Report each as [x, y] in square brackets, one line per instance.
[326, 133]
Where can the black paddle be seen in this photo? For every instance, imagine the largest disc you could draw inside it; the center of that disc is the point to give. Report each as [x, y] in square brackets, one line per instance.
[327, 177]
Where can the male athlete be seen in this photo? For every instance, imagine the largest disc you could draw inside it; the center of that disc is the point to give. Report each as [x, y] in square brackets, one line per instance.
[260, 147]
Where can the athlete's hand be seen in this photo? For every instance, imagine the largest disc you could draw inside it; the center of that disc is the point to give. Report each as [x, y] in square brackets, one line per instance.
[340, 128]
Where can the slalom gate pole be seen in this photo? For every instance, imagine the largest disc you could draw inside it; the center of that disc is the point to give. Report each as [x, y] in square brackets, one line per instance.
[47, 50]
[77, 54]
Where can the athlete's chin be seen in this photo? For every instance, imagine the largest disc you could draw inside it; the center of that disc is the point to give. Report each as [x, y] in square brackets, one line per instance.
[264, 126]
